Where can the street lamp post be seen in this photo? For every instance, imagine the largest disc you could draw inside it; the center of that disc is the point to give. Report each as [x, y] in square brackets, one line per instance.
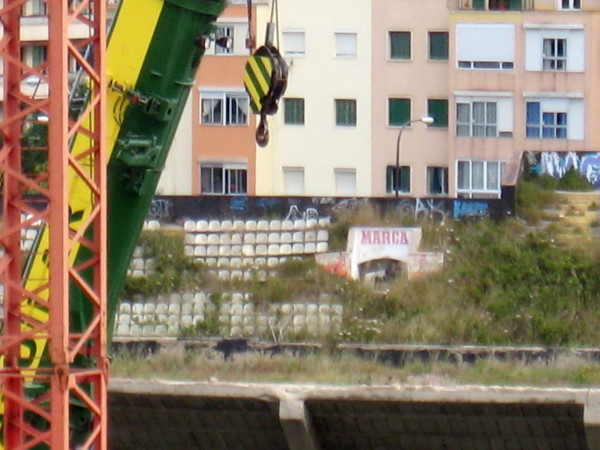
[427, 121]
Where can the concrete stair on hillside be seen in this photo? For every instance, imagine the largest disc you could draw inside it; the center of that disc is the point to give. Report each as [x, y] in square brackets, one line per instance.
[577, 217]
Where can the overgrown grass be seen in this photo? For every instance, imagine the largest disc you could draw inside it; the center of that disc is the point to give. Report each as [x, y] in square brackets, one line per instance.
[572, 180]
[500, 285]
[344, 369]
[534, 194]
[173, 271]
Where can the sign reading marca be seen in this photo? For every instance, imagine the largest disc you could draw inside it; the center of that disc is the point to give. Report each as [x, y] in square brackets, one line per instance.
[371, 243]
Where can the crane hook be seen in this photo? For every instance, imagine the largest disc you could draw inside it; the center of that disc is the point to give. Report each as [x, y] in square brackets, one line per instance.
[262, 131]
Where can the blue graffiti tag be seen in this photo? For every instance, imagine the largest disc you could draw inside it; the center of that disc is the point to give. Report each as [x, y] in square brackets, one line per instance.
[238, 204]
[463, 209]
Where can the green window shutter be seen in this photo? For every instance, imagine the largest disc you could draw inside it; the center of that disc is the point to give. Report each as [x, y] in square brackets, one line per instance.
[345, 113]
[438, 45]
[405, 179]
[293, 112]
[514, 5]
[479, 4]
[438, 110]
[398, 111]
[400, 45]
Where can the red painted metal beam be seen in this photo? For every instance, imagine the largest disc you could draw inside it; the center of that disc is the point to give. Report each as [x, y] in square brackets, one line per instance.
[37, 312]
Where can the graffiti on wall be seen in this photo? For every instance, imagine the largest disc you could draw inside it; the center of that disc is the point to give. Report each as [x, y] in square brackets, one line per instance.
[295, 213]
[420, 209]
[171, 209]
[557, 164]
[349, 205]
[469, 209]
[160, 208]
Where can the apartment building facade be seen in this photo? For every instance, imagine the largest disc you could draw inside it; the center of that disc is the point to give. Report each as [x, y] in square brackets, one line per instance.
[500, 78]
[528, 85]
[410, 81]
[321, 137]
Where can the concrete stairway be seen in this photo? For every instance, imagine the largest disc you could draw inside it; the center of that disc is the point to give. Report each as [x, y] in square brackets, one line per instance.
[576, 218]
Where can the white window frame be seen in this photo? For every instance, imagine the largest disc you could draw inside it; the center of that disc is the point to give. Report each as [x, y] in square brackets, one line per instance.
[477, 46]
[340, 177]
[338, 106]
[226, 100]
[35, 54]
[490, 185]
[572, 106]
[536, 55]
[572, 5]
[294, 43]
[224, 30]
[293, 180]
[431, 171]
[228, 169]
[346, 44]
[299, 105]
[35, 8]
[554, 54]
[504, 120]
[485, 125]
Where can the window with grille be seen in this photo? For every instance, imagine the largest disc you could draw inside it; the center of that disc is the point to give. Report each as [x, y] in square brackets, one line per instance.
[478, 179]
[399, 44]
[293, 111]
[555, 48]
[476, 119]
[554, 55]
[545, 124]
[222, 108]
[345, 113]
[225, 179]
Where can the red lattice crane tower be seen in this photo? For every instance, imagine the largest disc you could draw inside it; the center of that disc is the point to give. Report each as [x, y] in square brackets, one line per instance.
[52, 369]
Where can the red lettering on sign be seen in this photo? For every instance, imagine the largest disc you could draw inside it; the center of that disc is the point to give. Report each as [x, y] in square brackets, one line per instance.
[383, 237]
[365, 237]
[386, 237]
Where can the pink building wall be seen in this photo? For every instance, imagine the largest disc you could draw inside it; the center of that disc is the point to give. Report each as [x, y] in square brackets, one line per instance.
[417, 79]
[218, 143]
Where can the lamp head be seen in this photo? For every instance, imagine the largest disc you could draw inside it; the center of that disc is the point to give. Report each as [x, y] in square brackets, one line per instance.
[427, 120]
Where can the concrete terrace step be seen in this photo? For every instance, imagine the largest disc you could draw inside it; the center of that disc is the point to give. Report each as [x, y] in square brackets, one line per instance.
[581, 220]
[580, 200]
[575, 218]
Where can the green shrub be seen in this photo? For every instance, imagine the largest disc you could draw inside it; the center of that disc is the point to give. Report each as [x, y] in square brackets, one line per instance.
[533, 196]
[572, 180]
[546, 182]
[499, 285]
[338, 236]
[173, 271]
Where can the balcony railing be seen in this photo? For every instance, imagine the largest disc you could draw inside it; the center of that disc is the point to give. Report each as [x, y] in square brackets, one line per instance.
[492, 5]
